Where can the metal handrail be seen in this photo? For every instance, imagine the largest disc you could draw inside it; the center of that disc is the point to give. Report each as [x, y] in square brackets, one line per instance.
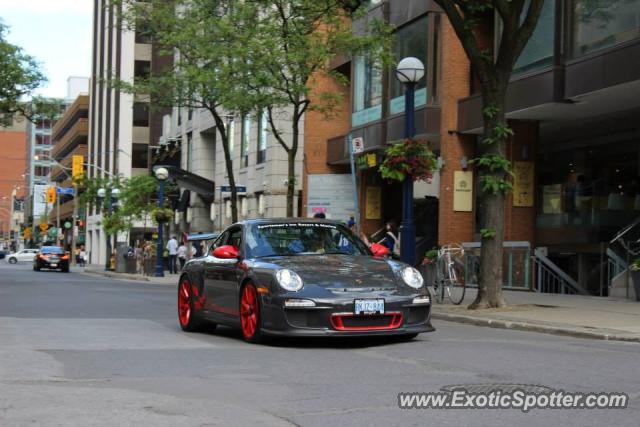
[551, 279]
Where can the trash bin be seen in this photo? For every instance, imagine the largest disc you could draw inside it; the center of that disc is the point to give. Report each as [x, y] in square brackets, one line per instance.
[121, 258]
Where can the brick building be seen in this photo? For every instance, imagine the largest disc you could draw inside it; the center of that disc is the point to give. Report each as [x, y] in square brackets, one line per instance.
[13, 140]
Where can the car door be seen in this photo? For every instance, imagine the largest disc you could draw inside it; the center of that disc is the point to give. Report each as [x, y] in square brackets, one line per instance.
[26, 255]
[221, 275]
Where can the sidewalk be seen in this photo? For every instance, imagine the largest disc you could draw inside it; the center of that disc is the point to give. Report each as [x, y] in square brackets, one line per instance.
[168, 279]
[573, 315]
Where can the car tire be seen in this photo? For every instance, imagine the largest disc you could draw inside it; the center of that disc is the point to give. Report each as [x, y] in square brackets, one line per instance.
[187, 317]
[12, 260]
[65, 270]
[250, 314]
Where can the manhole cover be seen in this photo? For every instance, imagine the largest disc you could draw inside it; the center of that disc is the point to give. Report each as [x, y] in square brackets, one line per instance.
[504, 388]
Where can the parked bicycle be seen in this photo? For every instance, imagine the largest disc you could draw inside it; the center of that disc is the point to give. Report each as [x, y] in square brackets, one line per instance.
[449, 278]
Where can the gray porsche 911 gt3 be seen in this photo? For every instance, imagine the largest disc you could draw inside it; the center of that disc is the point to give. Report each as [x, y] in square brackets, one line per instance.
[301, 277]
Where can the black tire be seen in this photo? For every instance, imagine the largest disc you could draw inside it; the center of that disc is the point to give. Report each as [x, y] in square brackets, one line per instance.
[65, 270]
[457, 288]
[12, 260]
[187, 316]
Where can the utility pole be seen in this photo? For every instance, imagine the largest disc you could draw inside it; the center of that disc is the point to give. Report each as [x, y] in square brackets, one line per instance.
[74, 226]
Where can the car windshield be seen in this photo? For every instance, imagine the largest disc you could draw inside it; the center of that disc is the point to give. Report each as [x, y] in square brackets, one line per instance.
[300, 238]
[51, 250]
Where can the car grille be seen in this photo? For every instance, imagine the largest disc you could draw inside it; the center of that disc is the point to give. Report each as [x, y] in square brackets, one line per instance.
[376, 322]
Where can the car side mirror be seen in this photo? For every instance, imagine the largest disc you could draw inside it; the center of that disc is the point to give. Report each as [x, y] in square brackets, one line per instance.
[225, 252]
[379, 250]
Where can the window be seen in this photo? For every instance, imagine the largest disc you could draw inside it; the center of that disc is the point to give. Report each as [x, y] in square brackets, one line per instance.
[141, 114]
[604, 23]
[246, 134]
[539, 50]
[189, 113]
[43, 139]
[410, 40]
[139, 156]
[189, 151]
[141, 70]
[179, 116]
[262, 138]
[143, 33]
[231, 130]
[367, 87]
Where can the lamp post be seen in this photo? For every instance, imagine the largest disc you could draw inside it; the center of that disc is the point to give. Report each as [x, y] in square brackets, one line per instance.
[113, 195]
[409, 71]
[161, 174]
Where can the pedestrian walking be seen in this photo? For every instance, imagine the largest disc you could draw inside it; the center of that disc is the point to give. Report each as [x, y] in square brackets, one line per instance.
[182, 255]
[172, 248]
[82, 256]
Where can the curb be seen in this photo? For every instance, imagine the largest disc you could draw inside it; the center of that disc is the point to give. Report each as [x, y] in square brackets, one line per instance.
[118, 275]
[534, 327]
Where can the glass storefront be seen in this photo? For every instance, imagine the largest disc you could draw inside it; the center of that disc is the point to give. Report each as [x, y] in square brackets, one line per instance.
[602, 23]
[596, 186]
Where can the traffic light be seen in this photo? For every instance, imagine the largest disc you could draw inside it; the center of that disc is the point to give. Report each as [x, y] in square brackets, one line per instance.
[51, 195]
[79, 223]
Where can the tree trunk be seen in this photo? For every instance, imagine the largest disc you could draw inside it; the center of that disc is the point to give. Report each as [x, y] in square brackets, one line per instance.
[493, 205]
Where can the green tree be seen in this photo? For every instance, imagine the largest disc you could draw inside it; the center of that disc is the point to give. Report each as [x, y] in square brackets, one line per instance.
[289, 45]
[137, 199]
[20, 76]
[205, 38]
[473, 23]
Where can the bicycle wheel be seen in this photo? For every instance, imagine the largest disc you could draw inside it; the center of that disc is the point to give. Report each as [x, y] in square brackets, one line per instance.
[439, 281]
[456, 286]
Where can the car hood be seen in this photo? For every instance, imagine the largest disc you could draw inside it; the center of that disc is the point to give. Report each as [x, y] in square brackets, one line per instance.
[340, 272]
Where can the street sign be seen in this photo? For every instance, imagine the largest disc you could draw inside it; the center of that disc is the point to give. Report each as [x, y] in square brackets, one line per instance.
[77, 169]
[227, 188]
[358, 145]
[65, 190]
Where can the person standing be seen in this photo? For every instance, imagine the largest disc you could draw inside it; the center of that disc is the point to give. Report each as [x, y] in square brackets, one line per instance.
[172, 248]
[182, 255]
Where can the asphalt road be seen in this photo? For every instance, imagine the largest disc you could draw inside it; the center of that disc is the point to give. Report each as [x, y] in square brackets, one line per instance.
[80, 350]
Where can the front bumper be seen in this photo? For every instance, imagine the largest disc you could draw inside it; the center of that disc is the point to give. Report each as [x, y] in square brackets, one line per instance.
[335, 317]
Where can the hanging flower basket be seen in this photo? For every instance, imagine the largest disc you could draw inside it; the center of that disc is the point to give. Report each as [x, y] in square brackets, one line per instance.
[162, 215]
[409, 158]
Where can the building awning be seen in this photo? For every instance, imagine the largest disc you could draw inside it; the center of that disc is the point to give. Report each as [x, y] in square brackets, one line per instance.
[189, 181]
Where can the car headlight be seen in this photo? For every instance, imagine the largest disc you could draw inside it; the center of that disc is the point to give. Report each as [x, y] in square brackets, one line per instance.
[412, 277]
[289, 280]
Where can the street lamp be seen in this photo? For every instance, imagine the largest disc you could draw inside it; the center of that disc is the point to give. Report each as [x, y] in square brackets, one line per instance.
[114, 194]
[409, 71]
[161, 174]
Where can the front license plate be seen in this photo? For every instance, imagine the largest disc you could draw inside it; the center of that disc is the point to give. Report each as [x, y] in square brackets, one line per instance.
[53, 264]
[369, 306]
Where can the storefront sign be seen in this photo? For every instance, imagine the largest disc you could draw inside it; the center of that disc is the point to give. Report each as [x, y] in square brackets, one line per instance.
[523, 182]
[463, 191]
[373, 203]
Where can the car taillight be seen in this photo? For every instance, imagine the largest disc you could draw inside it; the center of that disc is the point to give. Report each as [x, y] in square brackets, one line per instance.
[66, 256]
[42, 256]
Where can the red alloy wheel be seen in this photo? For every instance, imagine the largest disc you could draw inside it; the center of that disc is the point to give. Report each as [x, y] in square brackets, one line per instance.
[184, 303]
[249, 313]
